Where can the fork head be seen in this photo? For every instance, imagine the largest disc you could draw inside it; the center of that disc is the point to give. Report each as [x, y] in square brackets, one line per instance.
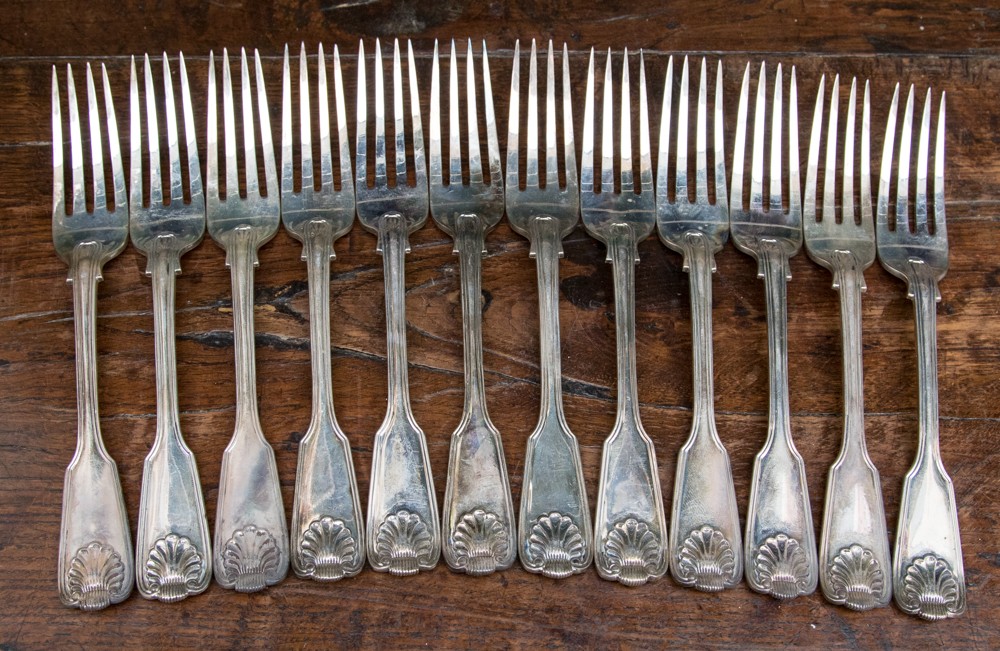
[604, 208]
[560, 203]
[410, 201]
[902, 243]
[102, 227]
[826, 238]
[326, 204]
[477, 197]
[750, 226]
[259, 213]
[173, 223]
[677, 218]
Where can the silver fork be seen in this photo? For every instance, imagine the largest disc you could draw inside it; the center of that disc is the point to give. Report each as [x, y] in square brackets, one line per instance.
[928, 575]
[705, 551]
[251, 536]
[172, 541]
[95, 548]
[402, 526]
[780, 546]
[478, 517]
[554, 531]
[854, 545]
[326, 513]
[630, 530]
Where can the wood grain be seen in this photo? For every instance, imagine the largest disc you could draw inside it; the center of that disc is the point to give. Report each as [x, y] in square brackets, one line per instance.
[950, 46]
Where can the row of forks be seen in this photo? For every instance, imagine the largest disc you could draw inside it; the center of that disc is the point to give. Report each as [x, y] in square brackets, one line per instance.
[403, 533]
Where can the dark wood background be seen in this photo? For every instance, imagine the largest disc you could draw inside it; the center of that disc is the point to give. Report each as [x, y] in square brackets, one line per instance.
[950, 46]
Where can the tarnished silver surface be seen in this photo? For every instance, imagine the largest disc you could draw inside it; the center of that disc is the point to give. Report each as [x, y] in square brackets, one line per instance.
[172, 545]
[95, 548]
[554, 528]
[780, 545]
[705, 551]
[477, 518]
[326, 536]
[927, 575]
[630, 529]
[854, 545]
[403, 532]
[251, 536]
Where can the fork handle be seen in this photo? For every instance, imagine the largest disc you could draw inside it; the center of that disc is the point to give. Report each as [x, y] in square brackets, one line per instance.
[95, 547]
[780, 544]
[705, 547]
[326, 512]
[554, 537]
[854, 537]
[928, 573]
[172, 539]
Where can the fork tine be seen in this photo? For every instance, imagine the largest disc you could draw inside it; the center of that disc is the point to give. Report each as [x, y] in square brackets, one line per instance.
[270, 170]
[794, 184]
[472, 110]
[58, 180]
[135, 141]
[419, 165]
[682, 137]
[152, 136]
[920, 198]
[551, 155]
[212, 135]
[587, 162]
[249, 138]
[903, 171]
[847, 195]
[701, 142]
[830, 174]
[287, 182]
[607, 133]
[96, 146]
[645, 154]
[343, 142]
[193, 160]
[812, 163]
[397, 109]
[229, 126]
[718, 133]
[776, 126]
[305, 121]
[662, 176]
[361, 126]
[380, 165]
[757, 172]
[325, 150]
[882, 216]
[531, 160]
[739, 144]
[940, 227]
[173, 144]
[513, 119]
[435, 118]
[865, 163]
[75, 145]
[627, 178]
[454, 137]
[492, 142]
[569, 143]
[114, 146]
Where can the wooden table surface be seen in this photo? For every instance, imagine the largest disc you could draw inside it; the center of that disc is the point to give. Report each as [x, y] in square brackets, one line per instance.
[950, 46]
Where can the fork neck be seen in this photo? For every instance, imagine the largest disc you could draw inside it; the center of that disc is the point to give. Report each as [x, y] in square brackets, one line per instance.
[546, 240]
[923, 289]
[85, 273]
[849, 281]
[470, 237]
[773, 261]
[623, 253]
[242, 255]
[393, 244]
[317, 249]
[164, 265]
[700, 263]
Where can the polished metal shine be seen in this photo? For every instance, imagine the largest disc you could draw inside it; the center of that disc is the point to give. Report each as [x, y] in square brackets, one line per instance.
[854, 545]
[928, 576]
[477, 519]
[780, 545]
[327, 527]
[172, 544]
[403, 532]
[705, 551]
[251, 535]
[630, 528]
[95, 547]
[554, 528]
